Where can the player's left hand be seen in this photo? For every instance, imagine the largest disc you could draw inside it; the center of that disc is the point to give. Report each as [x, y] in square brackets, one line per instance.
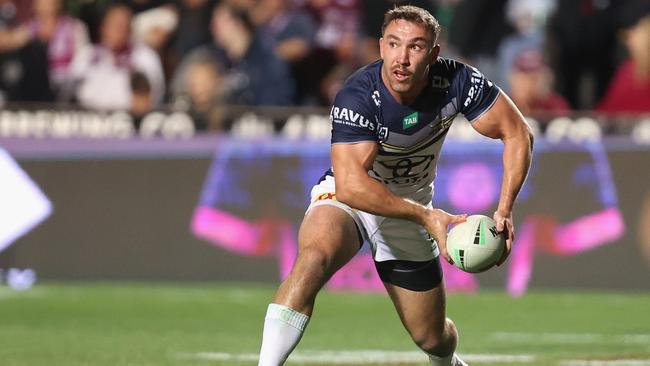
[437, 224]
[505, 225]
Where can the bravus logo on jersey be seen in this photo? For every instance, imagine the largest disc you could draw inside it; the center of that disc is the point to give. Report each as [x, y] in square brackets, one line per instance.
[410, 120]
[351, 118]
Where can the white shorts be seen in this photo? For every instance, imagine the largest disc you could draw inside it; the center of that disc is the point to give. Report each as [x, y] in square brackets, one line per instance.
[389, 238]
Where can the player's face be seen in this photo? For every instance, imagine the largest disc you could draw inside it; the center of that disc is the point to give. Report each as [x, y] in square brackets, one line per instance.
[407, 50]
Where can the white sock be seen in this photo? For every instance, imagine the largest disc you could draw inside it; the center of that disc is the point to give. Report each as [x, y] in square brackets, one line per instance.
[283, 329]
[451, 360]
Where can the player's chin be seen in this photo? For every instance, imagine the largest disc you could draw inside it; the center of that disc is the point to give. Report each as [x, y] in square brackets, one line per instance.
[401, 86]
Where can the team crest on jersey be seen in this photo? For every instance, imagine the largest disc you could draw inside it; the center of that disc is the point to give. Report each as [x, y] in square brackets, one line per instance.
[439, 82]
[383, 134]
[410, 120]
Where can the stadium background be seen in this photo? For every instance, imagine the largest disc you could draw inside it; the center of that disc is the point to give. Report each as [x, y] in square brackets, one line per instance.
[152, 229]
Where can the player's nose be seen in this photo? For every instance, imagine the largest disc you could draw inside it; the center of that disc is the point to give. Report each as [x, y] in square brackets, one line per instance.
[403, 56]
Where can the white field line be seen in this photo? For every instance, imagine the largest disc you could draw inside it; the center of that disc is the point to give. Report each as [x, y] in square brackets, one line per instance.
[392, 357]
[625, 362]
[523, 337]
[360, 357]
[8, 293]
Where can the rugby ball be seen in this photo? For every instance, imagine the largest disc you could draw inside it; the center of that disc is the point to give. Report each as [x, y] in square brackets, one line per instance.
[475, 245]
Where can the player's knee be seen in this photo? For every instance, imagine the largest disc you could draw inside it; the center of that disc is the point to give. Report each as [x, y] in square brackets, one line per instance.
[314, 262]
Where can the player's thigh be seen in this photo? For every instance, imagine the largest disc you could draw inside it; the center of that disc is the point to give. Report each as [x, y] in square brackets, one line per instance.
[423, 313]
[329, 236]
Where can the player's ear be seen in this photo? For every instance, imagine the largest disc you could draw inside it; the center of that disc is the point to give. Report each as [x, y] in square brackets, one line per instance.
[435, 52]
[381, 48]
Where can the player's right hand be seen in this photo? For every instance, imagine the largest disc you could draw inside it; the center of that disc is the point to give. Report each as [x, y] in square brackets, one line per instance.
[437, 223]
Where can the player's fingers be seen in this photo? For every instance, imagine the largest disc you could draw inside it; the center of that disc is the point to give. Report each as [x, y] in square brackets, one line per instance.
[507, 249]
[500, 221]
[457, 219]
[442, 245]
[511, 233]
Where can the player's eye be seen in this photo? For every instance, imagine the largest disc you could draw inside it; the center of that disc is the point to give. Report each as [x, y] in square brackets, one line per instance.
[392, 44]
[417, 47]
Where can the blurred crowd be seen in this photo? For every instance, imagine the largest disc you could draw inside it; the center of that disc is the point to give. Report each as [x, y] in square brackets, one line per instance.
[195, 55]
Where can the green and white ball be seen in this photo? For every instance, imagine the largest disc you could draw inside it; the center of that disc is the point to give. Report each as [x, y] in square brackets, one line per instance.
[475, 245]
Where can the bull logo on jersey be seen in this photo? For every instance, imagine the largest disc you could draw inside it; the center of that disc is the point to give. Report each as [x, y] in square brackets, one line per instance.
[406, 170]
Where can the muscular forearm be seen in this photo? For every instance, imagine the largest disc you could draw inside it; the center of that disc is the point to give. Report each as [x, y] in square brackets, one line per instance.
[366, 194]
[517, 155]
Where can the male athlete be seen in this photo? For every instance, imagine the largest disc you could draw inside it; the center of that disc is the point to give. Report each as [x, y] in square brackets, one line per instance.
[388, 125]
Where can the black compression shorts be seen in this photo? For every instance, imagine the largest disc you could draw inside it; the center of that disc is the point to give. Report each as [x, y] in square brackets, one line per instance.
[414, 276]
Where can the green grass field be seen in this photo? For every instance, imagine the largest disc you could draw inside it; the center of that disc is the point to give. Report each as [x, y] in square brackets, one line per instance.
[135, 324]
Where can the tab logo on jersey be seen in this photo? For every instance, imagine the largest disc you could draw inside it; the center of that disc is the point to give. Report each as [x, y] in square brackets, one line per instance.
[410, 120]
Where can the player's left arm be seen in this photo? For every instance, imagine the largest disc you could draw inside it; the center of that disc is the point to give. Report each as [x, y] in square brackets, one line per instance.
[505, 122]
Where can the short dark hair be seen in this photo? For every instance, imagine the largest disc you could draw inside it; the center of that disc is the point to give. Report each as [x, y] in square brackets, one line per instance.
[239, 14]
[139, 83]
[413, 14]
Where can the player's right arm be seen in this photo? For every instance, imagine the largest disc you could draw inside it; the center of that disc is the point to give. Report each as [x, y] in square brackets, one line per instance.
[355, 188]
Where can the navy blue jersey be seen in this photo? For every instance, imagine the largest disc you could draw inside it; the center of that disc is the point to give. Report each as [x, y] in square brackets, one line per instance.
[409, 136]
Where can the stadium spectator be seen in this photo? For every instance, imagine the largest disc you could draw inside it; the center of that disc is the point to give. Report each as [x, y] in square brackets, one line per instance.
[629, 90]
[292, 33]
[101, 74]
[201, 95]
[141, 100]
[335, 45]
[193, 28]
[139, 6]
[92, 12]
[24, 8]
[154, 27]
[583, 36]
[476, 30]
[8, 14]
[247, 5]
[529, 18]
[252, 73]
[24, 60]
[531, 85]
[9, 61]
[64, 36]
